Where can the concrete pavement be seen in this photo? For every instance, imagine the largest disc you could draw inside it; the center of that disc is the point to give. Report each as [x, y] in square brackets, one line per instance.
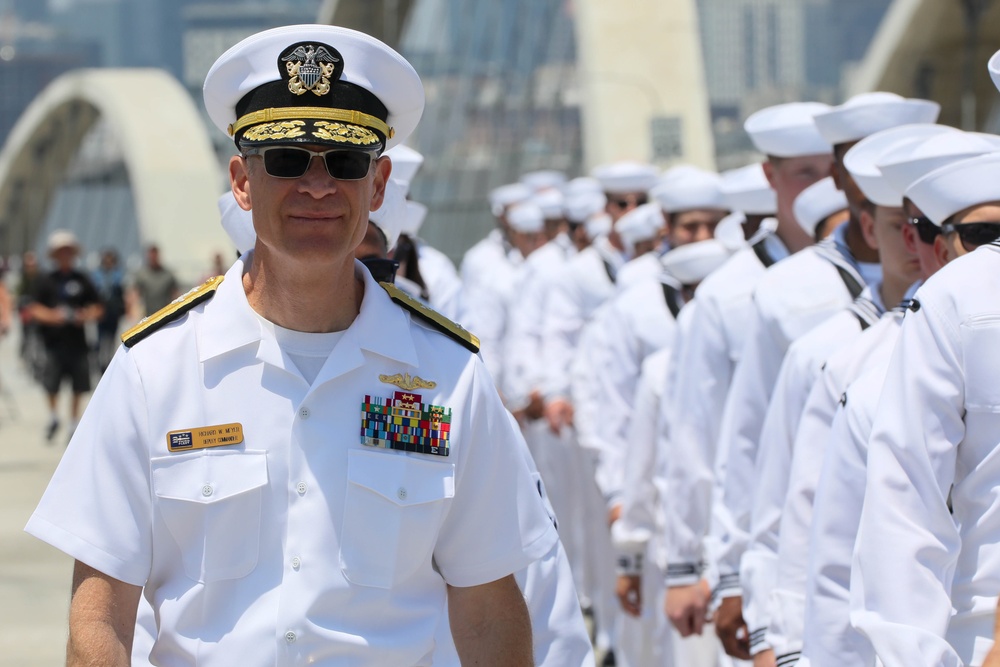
[34, 577]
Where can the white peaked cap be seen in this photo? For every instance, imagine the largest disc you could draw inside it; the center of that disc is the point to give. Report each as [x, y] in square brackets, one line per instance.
[599, 224]
[994, 67]
[526, 218]
[551, 202]
[817, 203]
[508, 195]
[788, 130]
[416, 213]
[729, 232]
[406, 163]
[693, 262]
[957, 186]
[237, 223]
[391, 214]
[581, 205]
[258, 65]
[904, 166]
[869, 113]
[640, 224]
[62, 238]
[543, 179]
[625, 176]
[746, 189]
[862, 158]
[685, 188]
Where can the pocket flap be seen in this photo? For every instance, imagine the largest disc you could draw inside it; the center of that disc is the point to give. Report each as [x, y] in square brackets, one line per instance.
[402, 479]
[210, 476]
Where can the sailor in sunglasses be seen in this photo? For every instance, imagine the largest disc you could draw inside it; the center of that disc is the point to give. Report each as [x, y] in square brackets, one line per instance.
[926, 560]
[294, 463]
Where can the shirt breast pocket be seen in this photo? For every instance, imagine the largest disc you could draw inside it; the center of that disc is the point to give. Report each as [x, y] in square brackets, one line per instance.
[211, 504]
[392, 514]
[981, 363]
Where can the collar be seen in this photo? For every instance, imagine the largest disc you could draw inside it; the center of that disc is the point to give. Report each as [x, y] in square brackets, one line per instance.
[229, 323]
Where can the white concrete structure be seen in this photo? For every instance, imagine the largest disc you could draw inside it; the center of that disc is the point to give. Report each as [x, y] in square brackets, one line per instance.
[173, 171]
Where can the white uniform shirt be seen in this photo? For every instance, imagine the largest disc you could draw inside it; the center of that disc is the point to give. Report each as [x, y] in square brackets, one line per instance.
[812, 439]
[793, 296]
[586, 283]
[607, 366]
[704, 362]
[488, 251]
[799, 370]
[485, 312]
[930, 576]
[235, 545]
[444, 287]
[827, 635]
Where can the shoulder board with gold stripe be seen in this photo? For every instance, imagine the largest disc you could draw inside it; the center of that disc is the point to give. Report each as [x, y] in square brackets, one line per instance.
[432, 317]
[172, 311]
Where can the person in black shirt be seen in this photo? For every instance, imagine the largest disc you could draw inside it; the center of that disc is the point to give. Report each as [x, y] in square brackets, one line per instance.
[64, 301]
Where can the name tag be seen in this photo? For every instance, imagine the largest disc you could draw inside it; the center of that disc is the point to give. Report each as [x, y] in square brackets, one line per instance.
[204, 437]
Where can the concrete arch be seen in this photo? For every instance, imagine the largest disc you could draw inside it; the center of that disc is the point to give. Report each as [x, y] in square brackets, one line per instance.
[173, 171]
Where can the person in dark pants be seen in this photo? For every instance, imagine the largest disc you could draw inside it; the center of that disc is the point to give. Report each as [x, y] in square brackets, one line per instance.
[108, 279]
[64, 301]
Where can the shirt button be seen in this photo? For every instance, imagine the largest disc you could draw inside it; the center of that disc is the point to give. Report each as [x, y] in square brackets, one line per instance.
[206, 490]
[304, 412]
[296, 563]
[301, 487]
[401, 492]
[290, 637]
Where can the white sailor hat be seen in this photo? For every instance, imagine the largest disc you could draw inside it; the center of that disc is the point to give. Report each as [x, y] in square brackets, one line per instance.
[526, 218]
[957, 186]
[62, 238]
[693, 262]
[869, 113]
[416, 213]
[237, 223]
[640, 224]
[390, 216]
[582, 184]
[817, 203]
[685, 188]
[314, 84]
[598, 224]
[551, 202]
[906, 164]
[730, 233]
[788, 130]
[747, 189]
[861, 159]
[543, 179]
[406, 163]
[623, 177]
[994, 67]
[579, 206]
[508, 195]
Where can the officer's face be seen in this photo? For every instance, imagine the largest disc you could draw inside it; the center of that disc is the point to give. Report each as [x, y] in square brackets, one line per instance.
[313, 218]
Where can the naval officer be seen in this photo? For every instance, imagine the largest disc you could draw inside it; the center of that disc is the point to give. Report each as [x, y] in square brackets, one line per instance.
[290, 472]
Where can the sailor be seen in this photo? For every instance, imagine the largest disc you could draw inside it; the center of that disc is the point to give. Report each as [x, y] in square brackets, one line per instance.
[788, 135]
[790, 299]
[882, 221]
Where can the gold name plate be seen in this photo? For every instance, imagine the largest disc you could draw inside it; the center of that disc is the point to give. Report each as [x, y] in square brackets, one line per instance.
[204, 437]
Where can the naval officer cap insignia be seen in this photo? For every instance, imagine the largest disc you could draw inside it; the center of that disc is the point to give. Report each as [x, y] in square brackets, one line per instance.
[314, 84]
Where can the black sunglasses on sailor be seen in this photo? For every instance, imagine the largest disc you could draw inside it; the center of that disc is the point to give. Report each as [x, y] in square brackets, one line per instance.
[293, 161]
[927, 231]
[973, 234]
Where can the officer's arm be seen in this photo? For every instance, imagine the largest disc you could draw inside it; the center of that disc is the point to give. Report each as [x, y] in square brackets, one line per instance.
[490, 624]
[101, 619]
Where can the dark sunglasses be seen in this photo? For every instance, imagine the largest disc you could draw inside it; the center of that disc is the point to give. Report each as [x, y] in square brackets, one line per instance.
[973, 234]
[634, 201]
[927, 231]
[293, 162]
